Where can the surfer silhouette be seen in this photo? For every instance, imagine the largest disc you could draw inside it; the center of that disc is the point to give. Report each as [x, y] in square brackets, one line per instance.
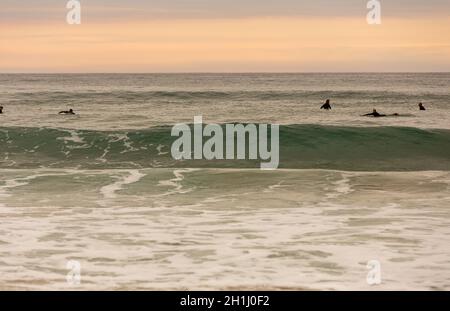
[70, 111]
[1, 109]
[326, 106]
[421, 107]
[374, 114]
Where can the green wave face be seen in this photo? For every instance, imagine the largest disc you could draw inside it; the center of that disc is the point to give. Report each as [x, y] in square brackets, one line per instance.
[301, 147]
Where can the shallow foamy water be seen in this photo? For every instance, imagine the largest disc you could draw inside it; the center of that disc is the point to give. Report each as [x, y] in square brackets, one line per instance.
[220, 229]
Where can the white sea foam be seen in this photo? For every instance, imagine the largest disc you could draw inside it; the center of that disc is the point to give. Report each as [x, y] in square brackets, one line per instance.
[160, 148]
[228, 233]
[176, 182]
[110, 191]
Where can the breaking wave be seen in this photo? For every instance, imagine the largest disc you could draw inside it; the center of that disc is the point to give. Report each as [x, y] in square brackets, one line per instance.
[301, 147]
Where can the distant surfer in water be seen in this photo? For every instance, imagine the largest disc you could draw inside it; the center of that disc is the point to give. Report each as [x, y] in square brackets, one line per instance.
[70, 111]
[421, 107]
[1, 109]
[374, 114]
[326, 106]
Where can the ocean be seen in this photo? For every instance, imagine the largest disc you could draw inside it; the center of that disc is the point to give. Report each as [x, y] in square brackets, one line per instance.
[102, 188]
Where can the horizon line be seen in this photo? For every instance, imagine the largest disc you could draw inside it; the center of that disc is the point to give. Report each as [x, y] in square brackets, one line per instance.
[230, 72]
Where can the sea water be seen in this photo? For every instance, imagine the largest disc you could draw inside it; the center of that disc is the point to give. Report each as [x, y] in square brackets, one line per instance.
[102, 188]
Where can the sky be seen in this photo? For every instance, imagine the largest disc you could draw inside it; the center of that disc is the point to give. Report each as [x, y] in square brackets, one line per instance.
[224, 36]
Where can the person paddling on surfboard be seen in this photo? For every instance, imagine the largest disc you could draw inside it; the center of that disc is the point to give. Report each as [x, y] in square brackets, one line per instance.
[374, 113]
[326, 106]
[421, 107]
[1, 109]
[70, 111]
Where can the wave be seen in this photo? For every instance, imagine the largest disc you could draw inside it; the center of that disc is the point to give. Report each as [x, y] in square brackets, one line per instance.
[301, 147]
[168, 96]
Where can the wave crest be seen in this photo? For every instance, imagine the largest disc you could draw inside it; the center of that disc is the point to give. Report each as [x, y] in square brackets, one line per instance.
[301, 147]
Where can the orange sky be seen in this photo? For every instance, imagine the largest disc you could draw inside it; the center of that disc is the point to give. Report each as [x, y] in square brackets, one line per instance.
[228, 45]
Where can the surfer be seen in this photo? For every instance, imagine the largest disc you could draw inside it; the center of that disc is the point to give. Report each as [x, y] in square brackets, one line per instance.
[1, 109]
[421, 107]
[70, 111]
[326, 106]
[374, 113]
